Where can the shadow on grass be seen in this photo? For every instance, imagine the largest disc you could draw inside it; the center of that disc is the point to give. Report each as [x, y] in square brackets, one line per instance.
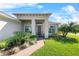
[64, 39]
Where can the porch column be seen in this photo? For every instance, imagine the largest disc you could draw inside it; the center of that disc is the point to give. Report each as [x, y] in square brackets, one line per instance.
[33, 27]
[55, 29]
[46, 28]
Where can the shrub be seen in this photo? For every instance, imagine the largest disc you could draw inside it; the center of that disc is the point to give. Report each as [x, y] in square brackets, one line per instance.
[70, 27]
[11, 42]
[18, 37]
[27, 37]
[3, 44]
[22, 37]
[33, 39]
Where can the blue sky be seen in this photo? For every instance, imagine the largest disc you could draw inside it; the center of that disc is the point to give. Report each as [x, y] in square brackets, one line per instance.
[61, 12]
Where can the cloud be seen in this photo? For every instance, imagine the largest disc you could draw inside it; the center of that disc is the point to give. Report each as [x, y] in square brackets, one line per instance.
[31, 4]
[71, 10]
[57, 17]
[65, 21]
[40, 6]
[5, 6]
[70, 14]
[14, 5]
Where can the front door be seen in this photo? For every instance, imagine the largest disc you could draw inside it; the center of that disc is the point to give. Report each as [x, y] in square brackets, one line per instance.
[39, 30]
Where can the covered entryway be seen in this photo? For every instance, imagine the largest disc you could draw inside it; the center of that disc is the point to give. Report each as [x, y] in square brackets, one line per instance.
[38, 23]
[39, 28]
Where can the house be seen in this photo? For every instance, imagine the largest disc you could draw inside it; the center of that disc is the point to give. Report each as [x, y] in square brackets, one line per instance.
[37, 23]
[8, 25]
[53, 27]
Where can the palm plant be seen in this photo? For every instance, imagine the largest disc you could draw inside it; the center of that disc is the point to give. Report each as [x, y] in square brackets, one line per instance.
[71, 27]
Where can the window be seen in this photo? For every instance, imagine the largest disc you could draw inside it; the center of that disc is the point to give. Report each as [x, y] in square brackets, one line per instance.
[27, 28]
[52, 29]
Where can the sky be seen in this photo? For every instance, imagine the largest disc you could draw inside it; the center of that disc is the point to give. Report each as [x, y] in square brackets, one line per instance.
[61, 12]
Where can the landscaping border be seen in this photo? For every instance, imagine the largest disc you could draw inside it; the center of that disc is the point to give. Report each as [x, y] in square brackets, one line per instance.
[28, 51]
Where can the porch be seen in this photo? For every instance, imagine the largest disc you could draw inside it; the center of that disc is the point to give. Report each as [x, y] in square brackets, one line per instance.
[37, 24]
[36, 28]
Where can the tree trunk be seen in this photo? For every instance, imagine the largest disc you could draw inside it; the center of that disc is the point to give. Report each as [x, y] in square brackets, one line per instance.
[65, 34]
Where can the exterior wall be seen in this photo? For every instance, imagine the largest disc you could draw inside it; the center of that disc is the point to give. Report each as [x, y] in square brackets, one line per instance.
[53, 30]
[22, 26]
[9, 28]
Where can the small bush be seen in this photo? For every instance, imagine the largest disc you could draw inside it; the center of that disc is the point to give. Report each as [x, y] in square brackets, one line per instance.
[18, 37]
[3, 44]
[22, 37]
[23, 46]
[27, 37]
[33, 39]
[11, 42]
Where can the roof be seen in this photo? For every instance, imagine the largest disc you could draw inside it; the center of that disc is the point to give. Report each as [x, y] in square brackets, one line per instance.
[32, 14]
[54, 23]
[6, 15]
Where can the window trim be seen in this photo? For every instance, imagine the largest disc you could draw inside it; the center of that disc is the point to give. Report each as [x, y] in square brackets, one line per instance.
[27, 26]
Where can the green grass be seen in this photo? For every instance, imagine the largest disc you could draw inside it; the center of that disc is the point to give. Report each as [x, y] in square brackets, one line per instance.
[60, 47]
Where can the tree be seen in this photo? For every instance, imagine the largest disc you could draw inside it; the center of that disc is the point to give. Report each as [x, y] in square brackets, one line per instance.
[70, 27]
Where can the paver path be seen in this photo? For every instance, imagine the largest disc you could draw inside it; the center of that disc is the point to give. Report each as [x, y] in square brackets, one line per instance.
[28, 51]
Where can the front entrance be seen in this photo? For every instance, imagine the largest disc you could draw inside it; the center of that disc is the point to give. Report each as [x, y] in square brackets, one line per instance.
[39, 30]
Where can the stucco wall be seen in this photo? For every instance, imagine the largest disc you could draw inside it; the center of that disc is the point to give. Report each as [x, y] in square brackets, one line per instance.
[10, 26]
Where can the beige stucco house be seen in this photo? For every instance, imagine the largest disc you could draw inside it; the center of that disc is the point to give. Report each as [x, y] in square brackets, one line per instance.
[37, 23]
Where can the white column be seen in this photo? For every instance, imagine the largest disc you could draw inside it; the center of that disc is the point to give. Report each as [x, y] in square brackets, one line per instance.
[33, 27]
[56, 29]
[46, 28]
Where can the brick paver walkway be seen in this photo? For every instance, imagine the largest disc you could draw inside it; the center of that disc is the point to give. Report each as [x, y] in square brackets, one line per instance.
[28, 51]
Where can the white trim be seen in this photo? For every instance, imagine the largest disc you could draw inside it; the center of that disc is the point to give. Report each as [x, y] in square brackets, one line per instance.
[6, 15]
[41, 28]
[39, 24]
[26, 25]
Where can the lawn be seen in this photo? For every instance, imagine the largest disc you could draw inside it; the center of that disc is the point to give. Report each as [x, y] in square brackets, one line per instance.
[62, 47]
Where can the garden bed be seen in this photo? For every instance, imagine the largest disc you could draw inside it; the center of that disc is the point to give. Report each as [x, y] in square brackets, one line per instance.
[18, 42]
